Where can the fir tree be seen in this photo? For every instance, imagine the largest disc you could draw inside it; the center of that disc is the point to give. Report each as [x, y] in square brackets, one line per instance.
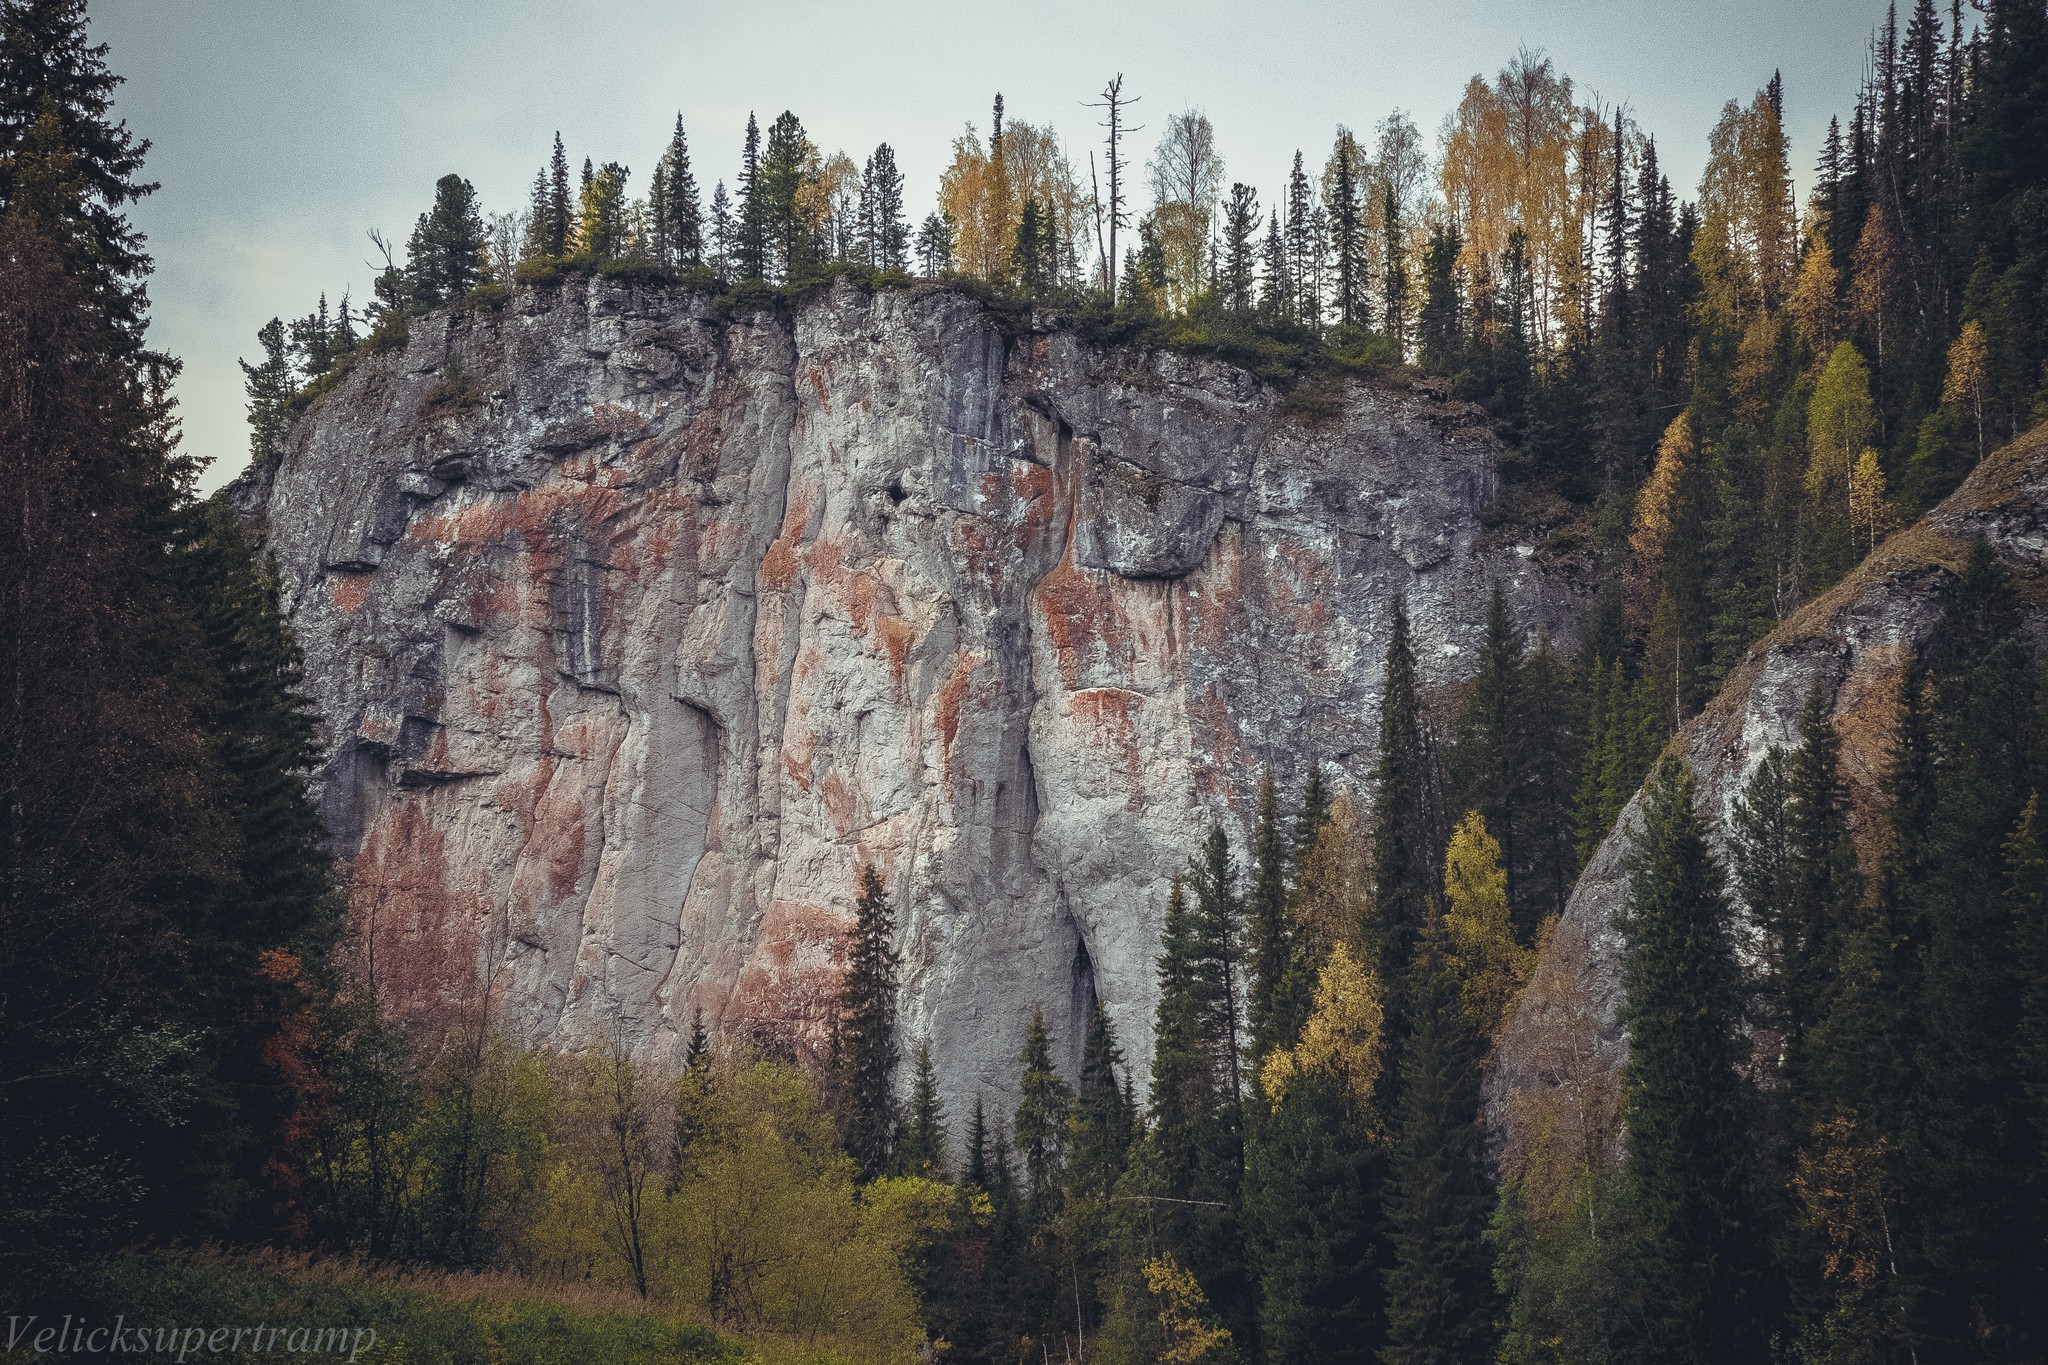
[788, 250]
[864, 1038]
[978, 1169]
[1689, 1173]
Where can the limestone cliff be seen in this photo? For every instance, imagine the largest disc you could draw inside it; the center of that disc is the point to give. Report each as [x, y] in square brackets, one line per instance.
[639, 624]
[1850, 643]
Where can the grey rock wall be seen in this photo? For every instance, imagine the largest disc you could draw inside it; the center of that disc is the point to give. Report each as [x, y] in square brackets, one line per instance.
[638, 628]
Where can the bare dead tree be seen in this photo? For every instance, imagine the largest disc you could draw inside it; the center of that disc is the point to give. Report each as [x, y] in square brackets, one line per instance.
[1116, 102]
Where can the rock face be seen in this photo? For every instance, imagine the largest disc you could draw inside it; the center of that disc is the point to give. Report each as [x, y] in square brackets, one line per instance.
[638, 627]
[1852, 644]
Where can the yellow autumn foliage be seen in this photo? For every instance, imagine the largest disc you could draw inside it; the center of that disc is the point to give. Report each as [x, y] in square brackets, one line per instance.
[1488, 963]
[1342, 1038]
[1185, 1320]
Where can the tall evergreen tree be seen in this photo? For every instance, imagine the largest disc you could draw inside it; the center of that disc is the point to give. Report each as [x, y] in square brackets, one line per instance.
[1685, 1100]
[1440, 323]
[750, 255]
[1269, 950]
[1439, 1278]
[921, 1147]
[675, 206]
[1490, 759]
[888, 234]
[1404, 851]
[1347, 230]
[558, 219]
[269, 386]
[66, 161]
[1040, 1131]
[444, 256]
[864, 1036]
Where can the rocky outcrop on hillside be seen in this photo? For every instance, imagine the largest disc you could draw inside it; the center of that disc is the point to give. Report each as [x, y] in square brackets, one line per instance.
[639, 624]
[1852, 644]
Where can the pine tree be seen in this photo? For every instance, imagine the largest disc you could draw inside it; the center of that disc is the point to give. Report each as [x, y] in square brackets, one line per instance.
[921, 1148]
[1689, 1173]
[1439, 1280]
[888, 234]
[935, 246]
[269, 386]
[864, 1037]
[443, 257]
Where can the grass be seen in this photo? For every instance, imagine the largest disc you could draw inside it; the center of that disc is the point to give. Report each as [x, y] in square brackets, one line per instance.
[418, 1317]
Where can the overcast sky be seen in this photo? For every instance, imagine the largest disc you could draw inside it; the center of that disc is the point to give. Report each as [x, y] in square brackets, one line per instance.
[284, 132]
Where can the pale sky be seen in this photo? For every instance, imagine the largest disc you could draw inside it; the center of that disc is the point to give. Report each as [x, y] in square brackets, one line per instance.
[285, 131]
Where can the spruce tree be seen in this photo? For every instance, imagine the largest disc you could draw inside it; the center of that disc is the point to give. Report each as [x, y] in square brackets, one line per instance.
[1269, 949]
[557, 234]
[864, 1036]
[1040, 1130]
[1964, 1149]
[1439, 323]
[1101, 1125]
[1489, 759]
[676, 208]
[921, 1148]
[750, 254]
[1686, 1103]
[1394, 305]
[1439, 1280]
[977, 1171]
[269, 386]
[1552, 739]
[1347, 230]
[57, 128]
[1403, 849]
[789, 252]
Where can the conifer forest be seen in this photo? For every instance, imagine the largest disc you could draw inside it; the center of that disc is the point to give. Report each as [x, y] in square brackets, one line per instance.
[1803, 1119]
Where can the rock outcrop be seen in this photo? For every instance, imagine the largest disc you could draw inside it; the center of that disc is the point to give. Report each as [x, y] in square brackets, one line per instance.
[1850, 643]
[639, 625]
